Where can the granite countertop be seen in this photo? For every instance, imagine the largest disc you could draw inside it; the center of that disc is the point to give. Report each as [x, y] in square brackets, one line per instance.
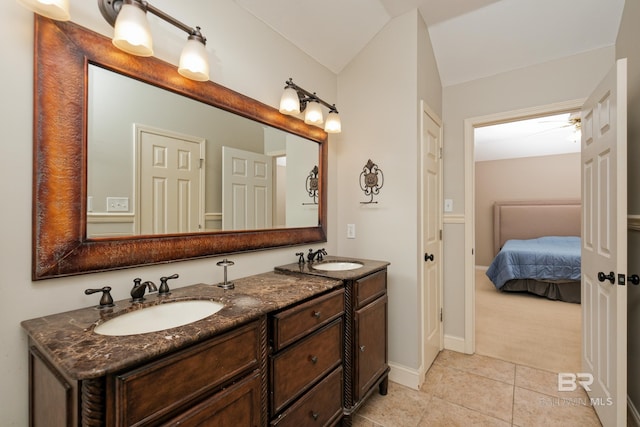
[368, 267]
[69, 341]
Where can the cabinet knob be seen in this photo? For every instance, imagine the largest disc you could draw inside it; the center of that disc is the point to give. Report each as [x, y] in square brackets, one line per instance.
[314, 359]
[314, 415]
[362, 347]
[316, 314]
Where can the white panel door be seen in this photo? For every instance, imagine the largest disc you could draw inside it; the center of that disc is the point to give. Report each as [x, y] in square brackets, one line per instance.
[247, 190]
[170, 182]
[604, 247]
[431, 239]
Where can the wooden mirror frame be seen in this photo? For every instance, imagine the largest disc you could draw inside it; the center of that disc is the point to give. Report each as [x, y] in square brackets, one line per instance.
[63, 52]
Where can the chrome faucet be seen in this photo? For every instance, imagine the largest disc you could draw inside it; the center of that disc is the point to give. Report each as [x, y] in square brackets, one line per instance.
[316, 255]
[139, 287]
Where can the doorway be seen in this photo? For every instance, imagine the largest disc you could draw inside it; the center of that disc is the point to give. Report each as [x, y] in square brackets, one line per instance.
[470, 199]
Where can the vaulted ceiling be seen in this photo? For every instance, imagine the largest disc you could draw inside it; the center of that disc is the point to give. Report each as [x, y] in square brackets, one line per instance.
[471, 38]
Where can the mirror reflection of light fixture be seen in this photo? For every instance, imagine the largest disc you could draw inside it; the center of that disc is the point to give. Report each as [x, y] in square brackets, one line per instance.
[54, 9]
[132, 35]
[295, 100]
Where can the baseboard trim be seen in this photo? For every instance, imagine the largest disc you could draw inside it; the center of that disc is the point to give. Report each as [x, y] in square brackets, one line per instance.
[633, 416]
[405, 376]
[454, 343]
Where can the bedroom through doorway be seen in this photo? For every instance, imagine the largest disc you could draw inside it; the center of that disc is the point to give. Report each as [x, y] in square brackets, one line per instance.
[535, 159]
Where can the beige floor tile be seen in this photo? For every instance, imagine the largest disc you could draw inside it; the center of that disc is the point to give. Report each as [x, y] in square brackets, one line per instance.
[401, 407]
[445, 414]
[532, 409]
[491, 397]
[544, 382]
[360, 421]
[480, 365]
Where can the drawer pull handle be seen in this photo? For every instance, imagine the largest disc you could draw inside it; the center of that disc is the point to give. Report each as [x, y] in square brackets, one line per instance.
[314, 359]
[316, 314]
[362, 348]
[314, 415]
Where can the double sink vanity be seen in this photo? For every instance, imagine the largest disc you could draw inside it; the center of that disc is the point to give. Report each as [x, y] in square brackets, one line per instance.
[297, 346]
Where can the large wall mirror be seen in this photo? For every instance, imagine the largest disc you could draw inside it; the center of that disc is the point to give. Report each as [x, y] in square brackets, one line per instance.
[134, 164]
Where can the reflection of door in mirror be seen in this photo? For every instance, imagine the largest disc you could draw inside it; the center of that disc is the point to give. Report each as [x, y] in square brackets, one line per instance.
[170, 182]
[247, 190]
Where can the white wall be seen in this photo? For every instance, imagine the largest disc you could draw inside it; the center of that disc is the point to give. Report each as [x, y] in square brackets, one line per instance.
[565, 79]
[379, 103]
[627, 47]
[246, 56]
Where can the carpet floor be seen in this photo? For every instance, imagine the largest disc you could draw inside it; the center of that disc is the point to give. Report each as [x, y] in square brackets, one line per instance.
[527, 329]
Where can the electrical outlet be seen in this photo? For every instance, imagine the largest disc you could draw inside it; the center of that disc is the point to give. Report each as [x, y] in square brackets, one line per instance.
[351, 231]
[117, 204]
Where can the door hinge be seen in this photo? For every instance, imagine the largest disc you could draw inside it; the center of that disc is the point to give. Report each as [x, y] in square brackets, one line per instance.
[201, 163]
[441, 152]
[441, 314]
[441, 234]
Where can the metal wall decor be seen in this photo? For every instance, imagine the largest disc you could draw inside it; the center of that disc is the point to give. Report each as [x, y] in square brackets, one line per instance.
[371, 180]
[311, 185]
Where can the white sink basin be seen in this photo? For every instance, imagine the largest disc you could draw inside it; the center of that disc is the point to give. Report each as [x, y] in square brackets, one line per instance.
[158, 317]
[337, 266]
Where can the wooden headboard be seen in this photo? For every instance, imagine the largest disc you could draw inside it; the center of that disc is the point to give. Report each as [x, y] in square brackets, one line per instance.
[534, 218]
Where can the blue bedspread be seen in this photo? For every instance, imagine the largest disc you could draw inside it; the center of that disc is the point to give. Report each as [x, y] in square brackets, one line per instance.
[545, 258]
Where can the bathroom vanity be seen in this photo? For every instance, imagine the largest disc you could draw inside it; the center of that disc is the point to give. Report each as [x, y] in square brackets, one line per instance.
[280, 353]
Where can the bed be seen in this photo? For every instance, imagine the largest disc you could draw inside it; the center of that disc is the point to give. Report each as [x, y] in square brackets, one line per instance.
[537, 248]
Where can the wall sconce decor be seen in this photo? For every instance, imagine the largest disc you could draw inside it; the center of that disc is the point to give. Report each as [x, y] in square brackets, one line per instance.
[296, 100]
[131, 30]
[371, 180]
[311, 185]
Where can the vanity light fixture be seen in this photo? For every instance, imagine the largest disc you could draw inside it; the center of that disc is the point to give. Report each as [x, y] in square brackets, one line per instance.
[132, 35]
[295, 100]
[54, 9]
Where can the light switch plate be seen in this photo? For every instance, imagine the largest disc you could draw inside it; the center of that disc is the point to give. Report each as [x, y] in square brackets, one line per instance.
[351, 231]
[117, 204]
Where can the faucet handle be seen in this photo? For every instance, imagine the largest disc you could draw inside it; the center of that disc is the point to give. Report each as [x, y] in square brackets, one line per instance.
[105, 300]
[300, 256]
[164, 287]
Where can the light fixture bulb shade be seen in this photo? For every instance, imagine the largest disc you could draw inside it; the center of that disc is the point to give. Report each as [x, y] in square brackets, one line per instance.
[194, 63]
[313, 114]
[289, 102]
[131, 31]
[54, 9]
[333, 124]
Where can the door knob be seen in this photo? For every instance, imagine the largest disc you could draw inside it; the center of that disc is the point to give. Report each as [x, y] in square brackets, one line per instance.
[428, 257]
[610, 277]
[635, 279]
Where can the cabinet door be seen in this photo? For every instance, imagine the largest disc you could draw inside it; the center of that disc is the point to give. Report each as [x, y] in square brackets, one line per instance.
[236, 406]
[370, 345]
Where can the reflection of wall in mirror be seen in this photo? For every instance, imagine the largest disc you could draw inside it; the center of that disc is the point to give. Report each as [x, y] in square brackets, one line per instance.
[115, 103]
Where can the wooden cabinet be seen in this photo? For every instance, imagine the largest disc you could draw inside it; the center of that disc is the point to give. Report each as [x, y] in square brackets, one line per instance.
[305, 367]
[366, 359]
[152, 392]
[218, 382]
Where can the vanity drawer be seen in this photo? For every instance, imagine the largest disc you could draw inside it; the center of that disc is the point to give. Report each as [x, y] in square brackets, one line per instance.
[321, 406]
[370, 287]
[294, 323]
[157, 389]
[298, 367]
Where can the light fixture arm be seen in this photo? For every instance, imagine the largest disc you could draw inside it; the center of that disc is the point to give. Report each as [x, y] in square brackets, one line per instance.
[305, 97]
[111, 8]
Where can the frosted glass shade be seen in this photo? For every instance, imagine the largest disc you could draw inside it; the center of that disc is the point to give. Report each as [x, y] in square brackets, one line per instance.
[333, 124]
[131, 31]
[194, 64]
[313, 114]
[289, 102]
[54, 9]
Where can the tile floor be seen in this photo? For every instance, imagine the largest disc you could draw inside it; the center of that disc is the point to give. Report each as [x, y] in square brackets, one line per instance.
[474, 390]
